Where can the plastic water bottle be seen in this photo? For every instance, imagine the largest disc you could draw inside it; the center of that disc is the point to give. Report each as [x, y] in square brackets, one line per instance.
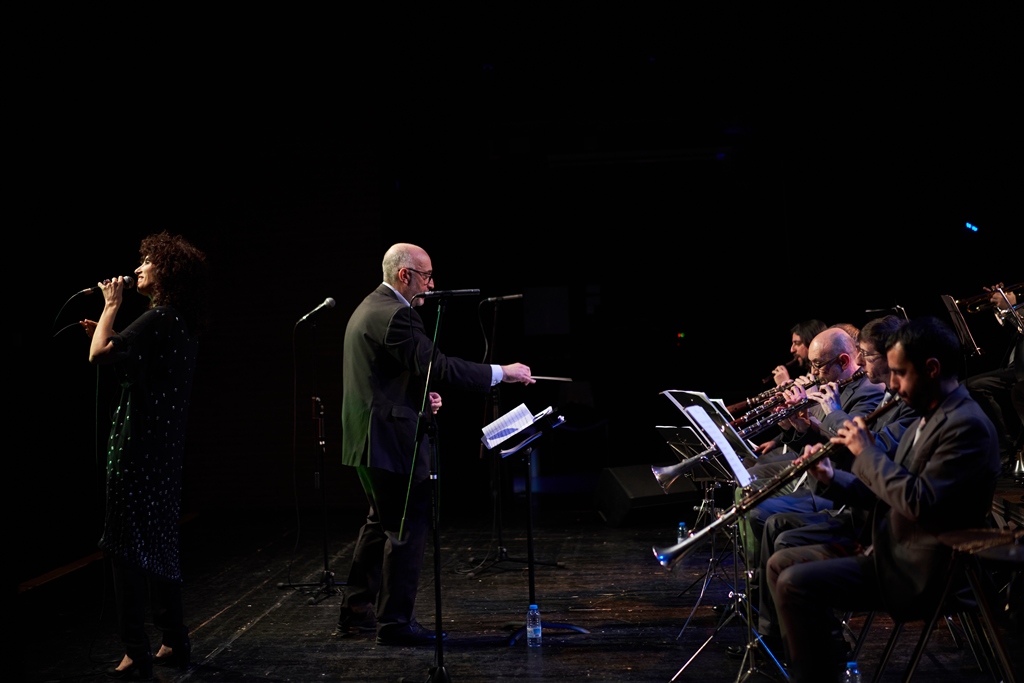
[852, 674]
[533, 627]
[683, 532]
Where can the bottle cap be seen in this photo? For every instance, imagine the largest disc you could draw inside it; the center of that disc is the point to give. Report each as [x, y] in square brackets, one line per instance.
[533, 606]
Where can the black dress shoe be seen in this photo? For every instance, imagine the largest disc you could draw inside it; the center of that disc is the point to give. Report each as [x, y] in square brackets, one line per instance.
[352, 621]
[410, 634]
[141, 669]
[180, 657]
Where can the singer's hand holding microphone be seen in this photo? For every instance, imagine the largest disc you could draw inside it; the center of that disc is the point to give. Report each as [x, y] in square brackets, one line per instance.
[112, 293]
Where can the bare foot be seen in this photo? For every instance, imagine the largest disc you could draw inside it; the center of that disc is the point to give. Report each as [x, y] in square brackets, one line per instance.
[125, 663]
[164, 651]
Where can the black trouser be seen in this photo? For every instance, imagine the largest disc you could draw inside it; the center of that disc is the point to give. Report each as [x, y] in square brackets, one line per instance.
[132, 589]
[385, 569]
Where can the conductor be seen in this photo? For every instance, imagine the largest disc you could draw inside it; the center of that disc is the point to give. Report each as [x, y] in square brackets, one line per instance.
[386, 356]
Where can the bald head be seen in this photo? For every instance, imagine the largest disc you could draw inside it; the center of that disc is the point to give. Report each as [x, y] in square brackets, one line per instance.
[832, 354]
[408, 269]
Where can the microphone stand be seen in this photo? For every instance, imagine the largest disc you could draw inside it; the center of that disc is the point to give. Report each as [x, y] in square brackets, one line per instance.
[327, 586]
[425, 424]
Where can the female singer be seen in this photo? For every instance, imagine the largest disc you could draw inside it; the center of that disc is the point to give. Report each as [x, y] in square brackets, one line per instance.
[155, 360]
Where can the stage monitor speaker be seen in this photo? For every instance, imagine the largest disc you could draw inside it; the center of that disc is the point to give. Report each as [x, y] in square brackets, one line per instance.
[632, 494]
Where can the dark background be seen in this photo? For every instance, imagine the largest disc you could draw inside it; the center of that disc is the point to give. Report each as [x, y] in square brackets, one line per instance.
[671, 193]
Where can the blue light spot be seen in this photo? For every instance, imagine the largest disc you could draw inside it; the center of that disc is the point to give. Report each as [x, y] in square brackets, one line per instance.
[972, 228]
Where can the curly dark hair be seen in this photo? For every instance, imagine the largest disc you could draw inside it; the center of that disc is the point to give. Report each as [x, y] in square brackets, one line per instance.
[182, 273]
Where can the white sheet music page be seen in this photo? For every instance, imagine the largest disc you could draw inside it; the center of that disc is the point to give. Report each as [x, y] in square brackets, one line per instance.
[512, 422]
[701, 417]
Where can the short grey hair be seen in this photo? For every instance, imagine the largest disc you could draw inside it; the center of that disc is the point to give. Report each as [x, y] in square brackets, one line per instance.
[398, 256]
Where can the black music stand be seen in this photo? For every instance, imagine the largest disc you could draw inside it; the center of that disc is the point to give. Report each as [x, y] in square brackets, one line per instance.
[713, 423]
[522, 442]
[711, 473]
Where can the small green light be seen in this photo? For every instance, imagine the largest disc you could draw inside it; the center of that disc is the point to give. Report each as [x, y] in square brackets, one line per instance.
[680, 335]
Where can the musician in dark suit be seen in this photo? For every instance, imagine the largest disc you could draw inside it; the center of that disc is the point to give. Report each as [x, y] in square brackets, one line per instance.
[386, 357]
[942, 479]
[836, 532]
[832, 356]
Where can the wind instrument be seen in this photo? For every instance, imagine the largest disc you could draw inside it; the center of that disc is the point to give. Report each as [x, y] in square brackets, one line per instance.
[983, 302]
[791, 362]
[667, 557]
[667, 475]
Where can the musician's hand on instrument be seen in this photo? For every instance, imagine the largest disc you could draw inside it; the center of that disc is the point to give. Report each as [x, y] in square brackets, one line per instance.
[827, 397]
[435, 402]
[808, 452]
[763, 448]
[804, 380]
[854, 435]
[795, 394]
[780, 375]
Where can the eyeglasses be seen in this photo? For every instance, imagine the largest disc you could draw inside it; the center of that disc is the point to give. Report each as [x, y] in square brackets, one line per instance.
[868, 356]
[821, 365]
[427, 276]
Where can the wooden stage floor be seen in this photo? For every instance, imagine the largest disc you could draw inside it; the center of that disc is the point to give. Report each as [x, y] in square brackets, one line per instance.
[248, 629]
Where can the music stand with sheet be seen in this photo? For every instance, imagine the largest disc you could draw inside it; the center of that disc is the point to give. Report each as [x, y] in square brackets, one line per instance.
[712, 421]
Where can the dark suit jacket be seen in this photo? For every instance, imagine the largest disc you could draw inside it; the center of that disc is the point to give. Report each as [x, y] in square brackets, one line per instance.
[385, 365]
[945, 482]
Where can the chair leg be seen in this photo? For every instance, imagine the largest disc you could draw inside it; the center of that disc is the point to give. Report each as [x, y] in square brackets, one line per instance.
[889, 647]
[863, 636]
[915, 658]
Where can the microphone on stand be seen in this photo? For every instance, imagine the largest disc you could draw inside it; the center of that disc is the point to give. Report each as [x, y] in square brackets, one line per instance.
[328, 303]
[445, 293]
[508, 297]
[129, 282]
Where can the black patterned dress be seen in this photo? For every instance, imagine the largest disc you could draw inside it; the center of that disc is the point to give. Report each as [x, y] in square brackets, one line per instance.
[155, 361]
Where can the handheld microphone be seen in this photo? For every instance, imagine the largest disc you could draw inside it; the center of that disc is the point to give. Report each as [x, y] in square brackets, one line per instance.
[328, 303]
[129, 282]
[508, 297]
[445, 293]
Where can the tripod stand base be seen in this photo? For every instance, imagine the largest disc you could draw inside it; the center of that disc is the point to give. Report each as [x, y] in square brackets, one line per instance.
[327, 587]
[546, 624]
[437, 674]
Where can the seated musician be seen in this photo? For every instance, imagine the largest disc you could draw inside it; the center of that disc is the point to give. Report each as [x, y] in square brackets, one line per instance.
[993, 389]
[842, 528]
[802, 334]
[832, 357]
[942, 478]
[833, 342]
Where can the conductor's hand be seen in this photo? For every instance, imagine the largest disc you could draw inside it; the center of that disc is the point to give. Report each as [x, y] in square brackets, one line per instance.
[517, 372]
[854, 435]
[89, 326]
[435, 402]
[821, 470]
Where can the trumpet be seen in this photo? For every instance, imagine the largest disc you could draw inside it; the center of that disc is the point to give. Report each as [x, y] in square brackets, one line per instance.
[983, 302]
[666, 476]
[667, 557]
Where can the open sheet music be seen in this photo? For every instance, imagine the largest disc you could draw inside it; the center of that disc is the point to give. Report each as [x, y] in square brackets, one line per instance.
[510, 424]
